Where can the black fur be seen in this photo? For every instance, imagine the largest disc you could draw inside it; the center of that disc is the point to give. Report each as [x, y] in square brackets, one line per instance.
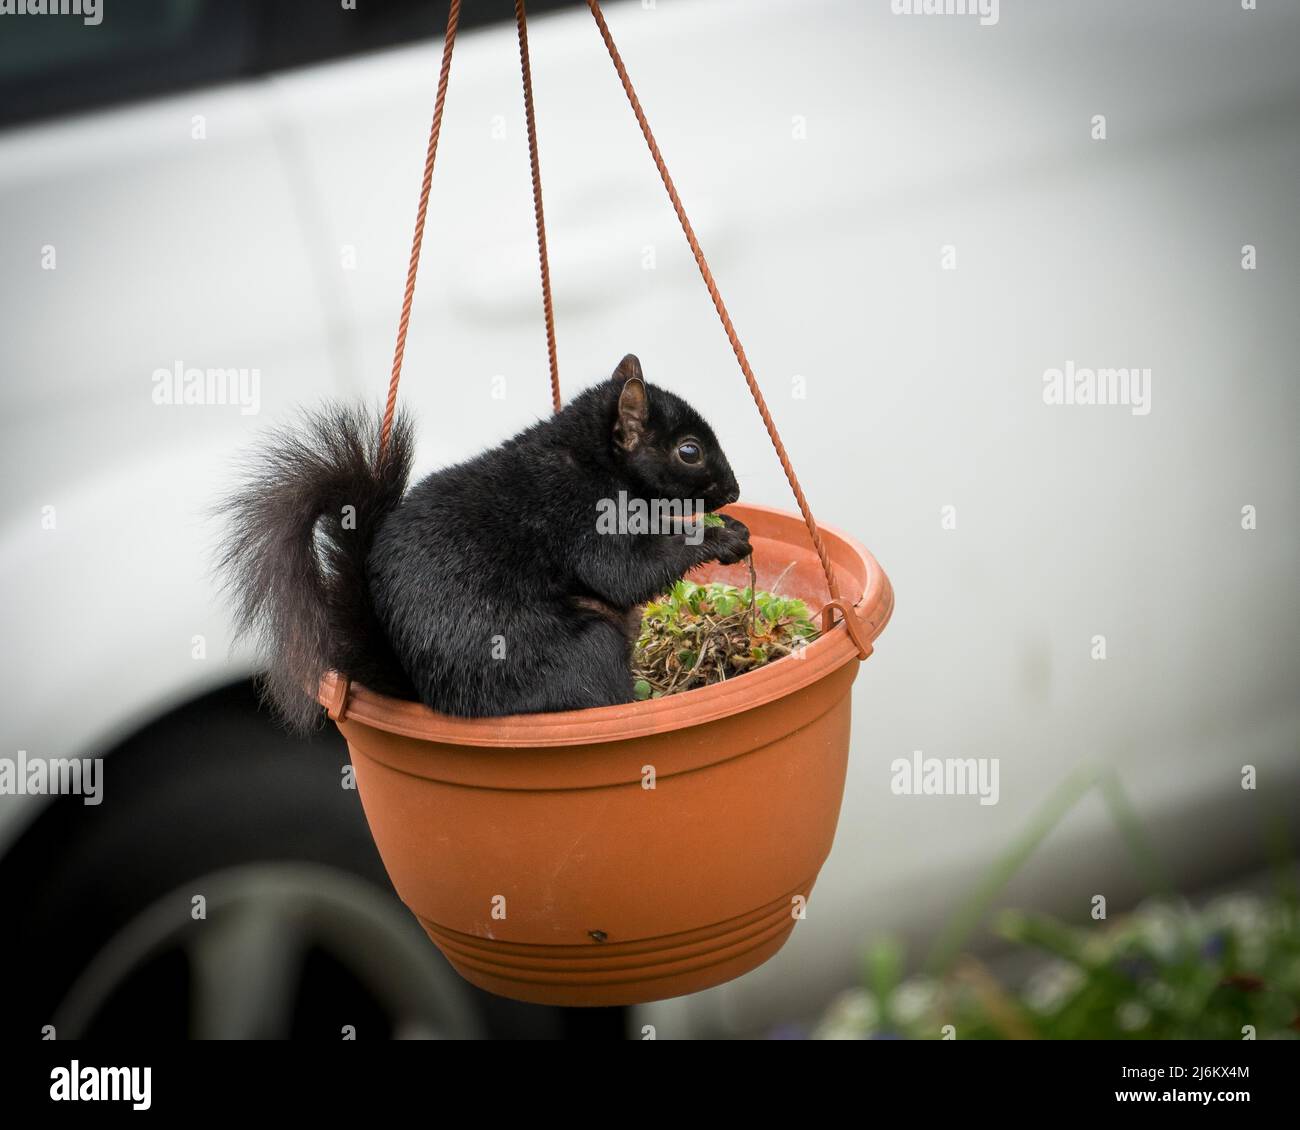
[488, 589]
[294, 558]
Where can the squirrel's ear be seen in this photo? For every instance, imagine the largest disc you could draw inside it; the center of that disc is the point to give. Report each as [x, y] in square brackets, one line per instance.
[633, 411]
[628, 368]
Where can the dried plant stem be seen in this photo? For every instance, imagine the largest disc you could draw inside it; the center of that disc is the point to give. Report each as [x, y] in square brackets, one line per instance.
[753, 596]
[701, 634]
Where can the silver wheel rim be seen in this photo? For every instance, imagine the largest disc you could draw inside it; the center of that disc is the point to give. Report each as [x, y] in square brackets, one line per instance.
[246, 955]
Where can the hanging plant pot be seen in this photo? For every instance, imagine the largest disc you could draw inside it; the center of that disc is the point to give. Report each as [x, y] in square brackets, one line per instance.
[626, 853]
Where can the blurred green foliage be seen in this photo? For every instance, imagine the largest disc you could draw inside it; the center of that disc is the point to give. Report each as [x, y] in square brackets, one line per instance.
[1228, 970]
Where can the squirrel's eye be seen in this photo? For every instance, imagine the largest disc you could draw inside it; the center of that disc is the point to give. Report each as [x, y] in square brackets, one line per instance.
[689, 452]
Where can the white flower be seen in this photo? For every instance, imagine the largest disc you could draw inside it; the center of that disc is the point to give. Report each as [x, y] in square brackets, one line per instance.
[912, 1000]
[1048, 988]
[1132, 1016]
[851, 1016]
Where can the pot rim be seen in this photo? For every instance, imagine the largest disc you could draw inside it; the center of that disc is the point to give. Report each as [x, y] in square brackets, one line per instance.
[351, 701]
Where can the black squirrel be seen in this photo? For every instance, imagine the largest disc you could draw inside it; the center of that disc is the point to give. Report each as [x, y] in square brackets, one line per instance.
[489, 588]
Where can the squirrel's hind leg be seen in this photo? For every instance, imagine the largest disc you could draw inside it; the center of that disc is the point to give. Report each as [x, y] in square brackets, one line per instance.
[593, 669]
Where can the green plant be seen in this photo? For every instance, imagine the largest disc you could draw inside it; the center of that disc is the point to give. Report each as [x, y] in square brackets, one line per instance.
[698, 634]
[1227, 970]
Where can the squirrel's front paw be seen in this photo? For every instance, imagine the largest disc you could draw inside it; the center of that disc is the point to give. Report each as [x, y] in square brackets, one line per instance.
[730, 541]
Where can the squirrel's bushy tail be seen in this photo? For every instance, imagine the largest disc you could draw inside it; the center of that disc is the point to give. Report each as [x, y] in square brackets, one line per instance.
[293, 558]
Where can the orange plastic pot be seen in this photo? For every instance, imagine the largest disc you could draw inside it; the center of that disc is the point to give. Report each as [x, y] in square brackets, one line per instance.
[626, 853]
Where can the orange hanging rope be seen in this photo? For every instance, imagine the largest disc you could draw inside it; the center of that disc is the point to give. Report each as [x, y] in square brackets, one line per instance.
[521, 18]
[453, 19]
[707, 275]
[435, 129]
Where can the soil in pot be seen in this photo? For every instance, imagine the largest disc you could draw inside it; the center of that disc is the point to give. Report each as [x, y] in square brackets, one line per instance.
[697, 634]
